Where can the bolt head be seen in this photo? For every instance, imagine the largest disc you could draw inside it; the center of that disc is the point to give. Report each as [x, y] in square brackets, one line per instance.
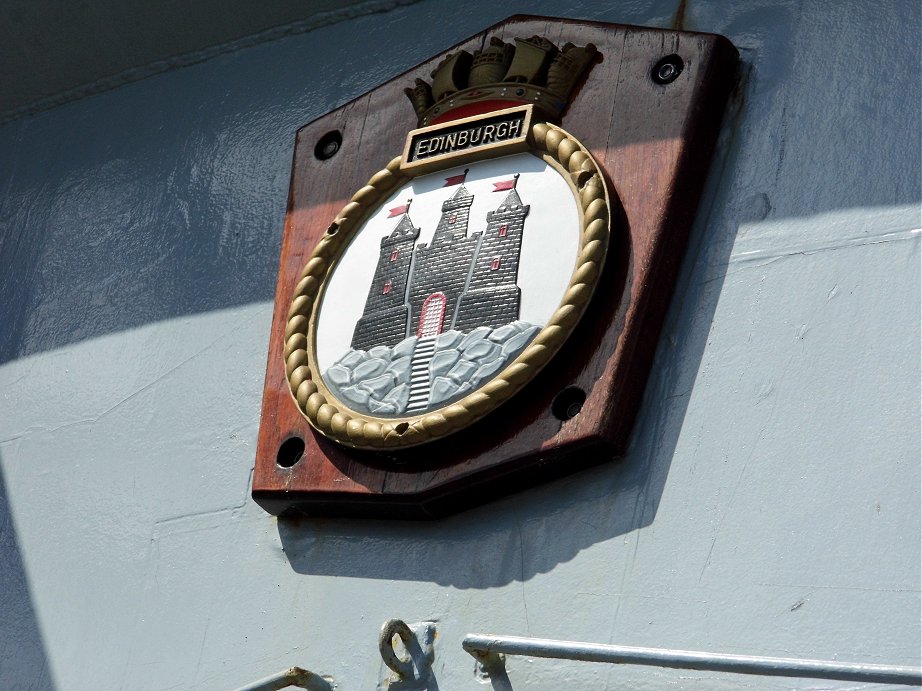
[666, 72]
[667, 69]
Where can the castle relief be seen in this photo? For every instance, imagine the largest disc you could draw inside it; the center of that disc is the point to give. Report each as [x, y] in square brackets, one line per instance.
[440, 310]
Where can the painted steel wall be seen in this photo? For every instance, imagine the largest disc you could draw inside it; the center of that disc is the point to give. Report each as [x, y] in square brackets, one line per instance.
[770, 502]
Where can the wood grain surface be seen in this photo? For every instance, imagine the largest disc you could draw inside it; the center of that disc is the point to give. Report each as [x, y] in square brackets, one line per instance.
[654, 144]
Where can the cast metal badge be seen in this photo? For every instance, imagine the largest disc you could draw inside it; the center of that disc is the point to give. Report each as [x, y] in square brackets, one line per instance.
[458, 271]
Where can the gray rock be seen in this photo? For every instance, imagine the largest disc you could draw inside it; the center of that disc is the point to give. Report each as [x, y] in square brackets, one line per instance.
[369, 368]
[338, 374]
[442, 361]
[449, 339]
[515, 344]
[401, 369]
[442, 389]
[355, 395]
[382, 352]
[399, 396]
[380, 385]
[352, 358]
[462, 371]
[379, 408]
[481, 350]
[485, 372]
[478, 334]
[458, 392]
[503, 333]
[404, 348]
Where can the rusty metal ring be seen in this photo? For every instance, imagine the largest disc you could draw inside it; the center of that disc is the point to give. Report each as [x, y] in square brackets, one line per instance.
[391, 628]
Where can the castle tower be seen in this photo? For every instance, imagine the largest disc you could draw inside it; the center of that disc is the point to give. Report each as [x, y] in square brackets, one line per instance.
[455, 215]
[384, 321]
[492, 297]
[440, 269]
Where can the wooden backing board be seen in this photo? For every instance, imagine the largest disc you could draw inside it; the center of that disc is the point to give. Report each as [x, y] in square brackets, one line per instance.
[653, 142]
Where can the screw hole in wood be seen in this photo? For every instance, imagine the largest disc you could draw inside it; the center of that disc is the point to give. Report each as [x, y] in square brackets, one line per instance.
[328, 145]
[667, 69]
[568, 403]
[290, 452]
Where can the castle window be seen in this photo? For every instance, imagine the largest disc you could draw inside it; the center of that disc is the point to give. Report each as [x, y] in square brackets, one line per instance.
[394, 255]
[502, 230]
[452, 218]
[387, 287]
[494, 265]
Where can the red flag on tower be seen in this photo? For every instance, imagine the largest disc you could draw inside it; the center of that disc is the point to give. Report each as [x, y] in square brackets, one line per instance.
[506, 184]
[455, 179]
[397, 210]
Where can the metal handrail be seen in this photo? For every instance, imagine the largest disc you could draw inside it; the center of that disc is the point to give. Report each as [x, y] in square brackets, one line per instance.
[487, 648]
[293, 676]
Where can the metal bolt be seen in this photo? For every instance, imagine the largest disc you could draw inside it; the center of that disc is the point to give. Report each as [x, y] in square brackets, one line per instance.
[667, 69]
[328, 145]
[568, 403]
[330, 148]
[667, 72]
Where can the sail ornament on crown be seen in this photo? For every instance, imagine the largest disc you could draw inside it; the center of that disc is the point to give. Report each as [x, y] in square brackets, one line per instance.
[530, 70]
[460, 269]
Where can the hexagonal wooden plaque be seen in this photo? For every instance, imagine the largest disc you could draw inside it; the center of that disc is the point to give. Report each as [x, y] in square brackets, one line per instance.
[651, 129]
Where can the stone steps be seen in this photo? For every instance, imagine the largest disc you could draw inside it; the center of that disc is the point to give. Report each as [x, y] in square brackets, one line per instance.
[419, 374]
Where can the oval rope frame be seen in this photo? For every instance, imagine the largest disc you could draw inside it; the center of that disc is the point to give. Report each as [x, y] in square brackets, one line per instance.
[335, 420]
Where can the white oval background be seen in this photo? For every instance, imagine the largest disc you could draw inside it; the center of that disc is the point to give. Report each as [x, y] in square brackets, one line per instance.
[550, 241]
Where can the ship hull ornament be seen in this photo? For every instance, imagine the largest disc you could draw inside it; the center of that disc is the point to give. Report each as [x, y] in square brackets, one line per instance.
[445, 288]
[401, 333]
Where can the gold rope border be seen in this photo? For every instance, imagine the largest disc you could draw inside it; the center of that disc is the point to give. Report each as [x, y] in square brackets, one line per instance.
[333, 419]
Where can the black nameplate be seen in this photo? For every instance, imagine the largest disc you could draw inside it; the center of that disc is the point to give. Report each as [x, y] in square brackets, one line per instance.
[491, 134]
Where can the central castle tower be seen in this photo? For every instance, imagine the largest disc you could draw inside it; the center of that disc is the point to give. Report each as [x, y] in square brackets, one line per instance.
[442, 266]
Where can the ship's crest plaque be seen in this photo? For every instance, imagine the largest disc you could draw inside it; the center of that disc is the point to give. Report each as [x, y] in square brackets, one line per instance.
[441, 290]
[472, 282]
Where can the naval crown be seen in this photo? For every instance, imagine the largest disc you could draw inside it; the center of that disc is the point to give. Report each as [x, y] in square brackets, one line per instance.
[501, 75]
